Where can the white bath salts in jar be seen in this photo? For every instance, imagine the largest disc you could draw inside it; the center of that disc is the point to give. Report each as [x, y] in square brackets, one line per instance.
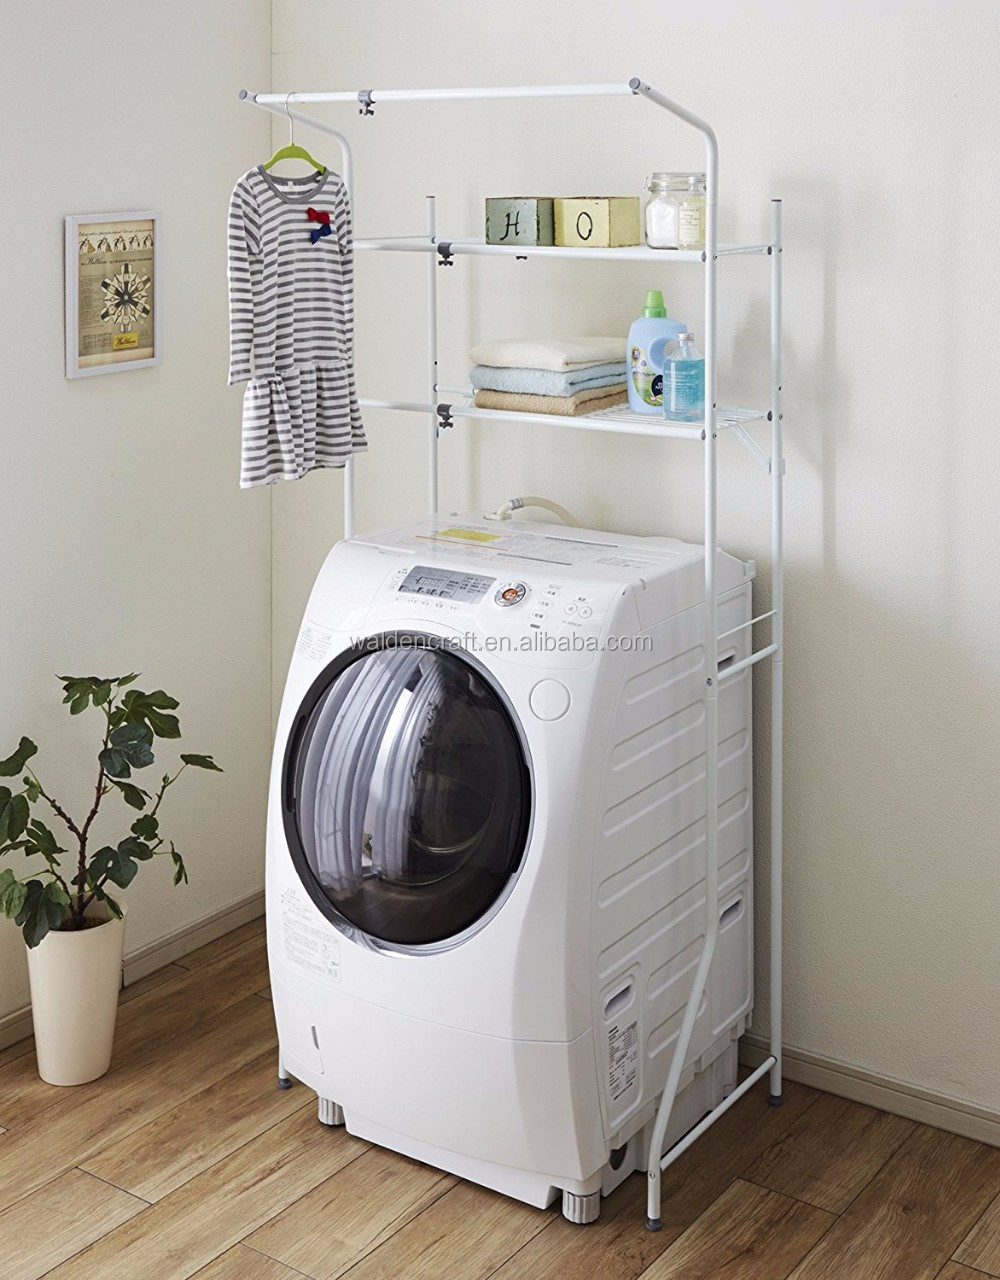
[675, 214]
[661, 212]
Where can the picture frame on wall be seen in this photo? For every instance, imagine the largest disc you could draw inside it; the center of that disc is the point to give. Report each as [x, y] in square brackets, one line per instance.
[112, 292]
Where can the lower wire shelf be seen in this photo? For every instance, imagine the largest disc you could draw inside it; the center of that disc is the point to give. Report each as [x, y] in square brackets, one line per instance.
[618, 421]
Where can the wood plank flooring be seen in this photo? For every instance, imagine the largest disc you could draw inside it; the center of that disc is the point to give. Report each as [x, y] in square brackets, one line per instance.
[185, 1161]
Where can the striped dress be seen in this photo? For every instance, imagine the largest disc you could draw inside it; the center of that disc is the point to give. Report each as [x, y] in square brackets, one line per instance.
[291, 324]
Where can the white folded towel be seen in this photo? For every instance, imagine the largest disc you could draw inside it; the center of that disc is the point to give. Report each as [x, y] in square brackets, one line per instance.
[556, 354]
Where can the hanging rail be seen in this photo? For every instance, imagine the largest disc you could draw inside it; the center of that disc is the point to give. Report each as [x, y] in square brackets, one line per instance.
[367, 99]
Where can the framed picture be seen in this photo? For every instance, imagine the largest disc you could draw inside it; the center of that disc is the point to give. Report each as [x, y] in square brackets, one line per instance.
[112, 292]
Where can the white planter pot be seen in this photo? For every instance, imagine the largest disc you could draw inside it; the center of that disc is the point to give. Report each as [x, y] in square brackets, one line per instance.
[75, 978]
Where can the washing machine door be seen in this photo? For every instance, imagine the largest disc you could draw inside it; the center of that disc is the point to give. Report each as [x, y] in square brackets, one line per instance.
[407, 792]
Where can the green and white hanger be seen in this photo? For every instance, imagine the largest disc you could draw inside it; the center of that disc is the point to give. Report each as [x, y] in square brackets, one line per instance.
[292, 151]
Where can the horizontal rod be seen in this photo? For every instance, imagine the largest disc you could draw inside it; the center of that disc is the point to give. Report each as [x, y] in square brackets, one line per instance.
[726, 672]
[407, 406]
[729, 250]
[694, 1134]
[446, 95]
[743, 625]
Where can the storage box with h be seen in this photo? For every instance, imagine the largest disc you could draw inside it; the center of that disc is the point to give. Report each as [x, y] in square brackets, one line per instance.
[519, 220]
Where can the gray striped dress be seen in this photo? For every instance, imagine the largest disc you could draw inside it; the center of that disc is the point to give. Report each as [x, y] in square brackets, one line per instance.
[291, 324]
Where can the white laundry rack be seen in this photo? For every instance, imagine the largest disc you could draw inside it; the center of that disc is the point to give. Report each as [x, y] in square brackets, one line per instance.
[444, 404]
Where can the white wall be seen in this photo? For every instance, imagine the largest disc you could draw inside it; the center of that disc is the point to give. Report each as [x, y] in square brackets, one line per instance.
[126, 543]
[880, 134]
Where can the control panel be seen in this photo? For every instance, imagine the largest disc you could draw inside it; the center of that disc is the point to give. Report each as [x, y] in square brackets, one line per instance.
[444, 584]
[550, 623]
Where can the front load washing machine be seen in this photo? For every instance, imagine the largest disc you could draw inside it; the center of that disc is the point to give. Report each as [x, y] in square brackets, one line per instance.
[486, 845]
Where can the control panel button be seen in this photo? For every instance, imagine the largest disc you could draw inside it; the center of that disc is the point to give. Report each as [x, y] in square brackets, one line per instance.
[549, 700]
[509, 593]
[571, 609]
[585, 611]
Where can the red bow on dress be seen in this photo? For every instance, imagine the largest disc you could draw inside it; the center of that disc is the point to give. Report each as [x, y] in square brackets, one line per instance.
[323, 218]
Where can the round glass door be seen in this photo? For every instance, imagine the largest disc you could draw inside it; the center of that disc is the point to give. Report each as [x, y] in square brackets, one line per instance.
[407, 792]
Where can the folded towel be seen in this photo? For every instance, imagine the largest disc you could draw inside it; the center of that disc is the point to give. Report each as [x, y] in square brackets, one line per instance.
[543, 382]
[575, 406]
[555, 354]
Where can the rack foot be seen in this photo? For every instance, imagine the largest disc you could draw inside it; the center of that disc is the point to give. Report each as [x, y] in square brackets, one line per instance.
[284, 1082]
[654, 1224]
[581, 1209]
[775, 1099]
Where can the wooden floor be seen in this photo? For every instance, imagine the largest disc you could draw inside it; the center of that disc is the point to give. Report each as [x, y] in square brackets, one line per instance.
[187, 1161]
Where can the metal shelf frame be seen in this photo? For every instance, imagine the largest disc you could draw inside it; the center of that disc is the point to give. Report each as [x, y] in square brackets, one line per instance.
[440, 413]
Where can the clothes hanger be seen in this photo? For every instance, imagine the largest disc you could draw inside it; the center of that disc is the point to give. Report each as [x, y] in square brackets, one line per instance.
[291, 151]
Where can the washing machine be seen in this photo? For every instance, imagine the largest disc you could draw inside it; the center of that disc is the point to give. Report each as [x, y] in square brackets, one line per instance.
[486, 848]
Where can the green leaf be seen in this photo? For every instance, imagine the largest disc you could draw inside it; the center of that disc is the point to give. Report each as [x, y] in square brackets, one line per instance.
[147, 827]
[79, 690]
[32, 788]
[148, 709]
[132, 847]
[32, 890]
[135, 796]
[12, 893]
[43, 840]
[163, 726]
[121, 681]
[132, 741]
[74, 687]
[13, 765]
[113, 865]
[180, 871]
[14, 818]
[57, 894]
[201, 762]
[40, 912]
[161, 701]
[114, 763]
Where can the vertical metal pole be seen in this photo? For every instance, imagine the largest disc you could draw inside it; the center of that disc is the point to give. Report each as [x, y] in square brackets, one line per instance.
[432, 361]
[348, 177]
[778, 639]
[349, 498]
[683, 1042]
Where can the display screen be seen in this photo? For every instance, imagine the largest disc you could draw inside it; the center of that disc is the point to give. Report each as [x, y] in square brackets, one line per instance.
[446, 584]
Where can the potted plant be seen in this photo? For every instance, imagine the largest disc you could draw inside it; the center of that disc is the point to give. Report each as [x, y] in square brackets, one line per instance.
[73, 926]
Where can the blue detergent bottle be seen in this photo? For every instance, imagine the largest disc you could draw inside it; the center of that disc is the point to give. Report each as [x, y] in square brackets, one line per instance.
[648, 338]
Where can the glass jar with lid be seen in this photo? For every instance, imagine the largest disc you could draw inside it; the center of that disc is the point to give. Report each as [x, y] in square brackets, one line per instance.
[668, 192]
[662, 210]
[691, 213]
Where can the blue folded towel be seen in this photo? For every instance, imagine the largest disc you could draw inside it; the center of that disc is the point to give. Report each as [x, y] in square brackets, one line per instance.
[544, 382]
